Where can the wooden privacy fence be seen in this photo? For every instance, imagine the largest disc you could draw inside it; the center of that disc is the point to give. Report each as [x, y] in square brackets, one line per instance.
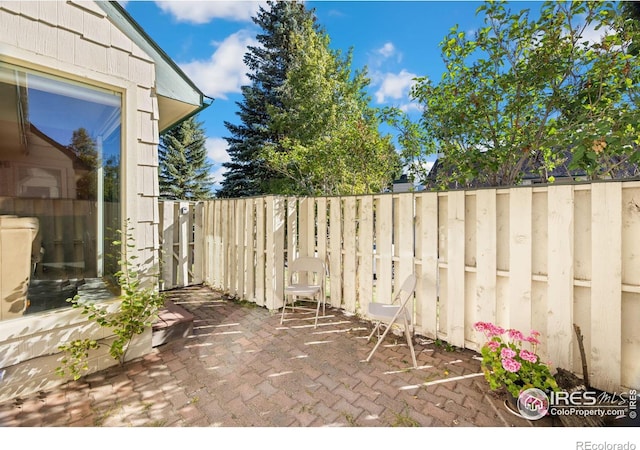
[542, 258]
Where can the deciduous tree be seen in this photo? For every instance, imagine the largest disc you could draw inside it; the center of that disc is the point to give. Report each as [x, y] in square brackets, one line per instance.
[537, 92]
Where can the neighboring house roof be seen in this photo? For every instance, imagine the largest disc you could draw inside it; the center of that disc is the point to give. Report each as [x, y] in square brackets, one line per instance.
[531, 174]
[178, 97]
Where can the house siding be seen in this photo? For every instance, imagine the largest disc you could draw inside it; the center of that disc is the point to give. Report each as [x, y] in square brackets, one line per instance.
[77, 40]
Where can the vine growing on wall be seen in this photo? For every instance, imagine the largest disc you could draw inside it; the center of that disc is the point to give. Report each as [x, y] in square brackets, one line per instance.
[138, 308]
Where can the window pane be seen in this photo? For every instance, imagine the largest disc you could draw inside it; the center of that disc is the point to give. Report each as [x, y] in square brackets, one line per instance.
[60, 152]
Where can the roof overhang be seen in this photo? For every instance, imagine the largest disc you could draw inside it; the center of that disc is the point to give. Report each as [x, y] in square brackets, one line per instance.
[178, 97]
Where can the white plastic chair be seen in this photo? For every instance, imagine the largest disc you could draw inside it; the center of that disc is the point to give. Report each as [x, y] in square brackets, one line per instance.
[307, 277]
[397, 312]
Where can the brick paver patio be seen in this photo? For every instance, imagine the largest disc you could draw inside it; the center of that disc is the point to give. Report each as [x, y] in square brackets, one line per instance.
[241, 368]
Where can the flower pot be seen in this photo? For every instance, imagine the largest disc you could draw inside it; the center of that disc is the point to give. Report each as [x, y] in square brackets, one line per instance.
[511, 405]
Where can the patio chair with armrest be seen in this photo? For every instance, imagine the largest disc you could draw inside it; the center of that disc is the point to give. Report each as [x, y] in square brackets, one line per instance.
[395, 313]
[307, 275]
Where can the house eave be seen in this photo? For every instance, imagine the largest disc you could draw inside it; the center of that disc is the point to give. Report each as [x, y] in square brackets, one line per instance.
[178, 96]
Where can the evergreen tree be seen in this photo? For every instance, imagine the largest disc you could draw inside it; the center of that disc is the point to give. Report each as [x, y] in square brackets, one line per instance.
[268, 65]
[184, 168]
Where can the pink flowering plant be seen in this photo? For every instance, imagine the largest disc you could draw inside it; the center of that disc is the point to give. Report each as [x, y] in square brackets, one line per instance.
[506, 362]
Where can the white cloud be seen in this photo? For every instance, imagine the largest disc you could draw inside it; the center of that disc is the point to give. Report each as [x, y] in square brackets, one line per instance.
[217, 150]
[205, 11]
[225, 72]
[387, 50]
[382, 54]
[218, 176]
[395, 85]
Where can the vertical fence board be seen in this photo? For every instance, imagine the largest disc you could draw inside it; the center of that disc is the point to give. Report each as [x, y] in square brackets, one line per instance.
[310, 227]
[198, 238]
[606, 294]
[630, 237]
[321, 238]
[455, 268]
[250, 263]
[292, 229]
[335, 248]
[261, 285]
[443, 279]
[207, 258]
[349, 258]
[275, 235]
[427, 288]
[218, 239]
[167, 260]
[280, 224]
[520, 217]
[270, 253]
[365, 250]
[304, 247]
[630, 352]
[384, 248]
[405, 227]
[560, 277]
[182, 260]
[233, 247]
[486, 262]
[241, 232]
[582, 235]
[303, 229]
[225, 226]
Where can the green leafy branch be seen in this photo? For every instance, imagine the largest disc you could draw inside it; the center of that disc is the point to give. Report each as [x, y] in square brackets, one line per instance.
[137, 310]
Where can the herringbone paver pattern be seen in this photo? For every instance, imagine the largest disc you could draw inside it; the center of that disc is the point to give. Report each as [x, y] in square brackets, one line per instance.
[241, 368]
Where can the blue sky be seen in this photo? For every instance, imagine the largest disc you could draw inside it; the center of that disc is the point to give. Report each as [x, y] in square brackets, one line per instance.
[395, 40]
